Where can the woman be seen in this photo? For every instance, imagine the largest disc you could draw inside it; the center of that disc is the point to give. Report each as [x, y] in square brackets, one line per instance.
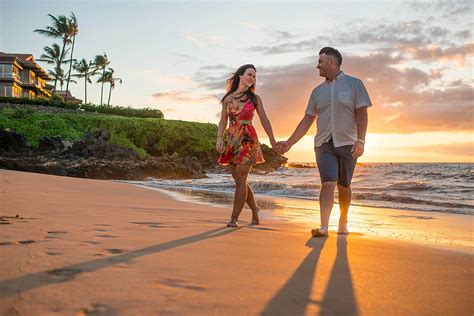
[238, 145]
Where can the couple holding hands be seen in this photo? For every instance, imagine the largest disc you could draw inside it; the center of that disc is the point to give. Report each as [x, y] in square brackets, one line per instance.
[339, 107]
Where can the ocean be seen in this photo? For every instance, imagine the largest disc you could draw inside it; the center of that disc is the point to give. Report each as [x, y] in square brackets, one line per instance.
[441, 187]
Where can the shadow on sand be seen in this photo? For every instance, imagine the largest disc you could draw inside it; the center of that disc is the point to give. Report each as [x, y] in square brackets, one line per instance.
[295, 295]
[39, 279]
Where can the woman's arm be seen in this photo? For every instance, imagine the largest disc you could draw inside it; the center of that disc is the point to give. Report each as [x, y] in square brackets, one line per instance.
[265, 121]
[221, 129]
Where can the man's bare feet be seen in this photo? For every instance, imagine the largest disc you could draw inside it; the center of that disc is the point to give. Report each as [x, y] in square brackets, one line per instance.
[233, 223]
[255, 218]
[343, 228]
[320, 232]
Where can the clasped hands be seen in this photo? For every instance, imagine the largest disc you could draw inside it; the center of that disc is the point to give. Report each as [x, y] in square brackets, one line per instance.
[281, 147]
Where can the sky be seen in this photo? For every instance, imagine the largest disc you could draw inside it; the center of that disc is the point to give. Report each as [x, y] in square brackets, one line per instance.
[415, 59]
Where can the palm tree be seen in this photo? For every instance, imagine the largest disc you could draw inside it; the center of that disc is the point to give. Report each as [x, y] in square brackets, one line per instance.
[59, 29]
[73, 29]
[108, 77]
[84, 70]
[58, 75]
[101, 62]
[52, 56]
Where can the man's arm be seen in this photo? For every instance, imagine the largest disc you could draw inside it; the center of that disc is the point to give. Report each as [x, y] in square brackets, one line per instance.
[299, 132]
[361, 124]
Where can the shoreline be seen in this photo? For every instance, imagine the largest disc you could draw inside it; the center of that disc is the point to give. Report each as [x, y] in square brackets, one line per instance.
[416, 226]
[94, 247]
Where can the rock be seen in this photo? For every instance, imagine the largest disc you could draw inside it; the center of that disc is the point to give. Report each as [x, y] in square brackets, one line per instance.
[92, 157]
[103, 169]
[51, 144]
[273, 160]
[95, 144]
[12, 142]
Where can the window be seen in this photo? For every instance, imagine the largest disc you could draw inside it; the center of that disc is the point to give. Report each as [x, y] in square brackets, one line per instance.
[31, 77]
[5, 71]
[3, 91]
[8, 91]
[17, 91]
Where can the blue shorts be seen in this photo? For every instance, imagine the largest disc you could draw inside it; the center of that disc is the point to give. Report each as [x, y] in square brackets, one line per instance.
[335, 163]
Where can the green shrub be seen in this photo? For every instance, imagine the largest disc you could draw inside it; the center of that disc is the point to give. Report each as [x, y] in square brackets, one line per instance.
[184, 138]
[58, 102]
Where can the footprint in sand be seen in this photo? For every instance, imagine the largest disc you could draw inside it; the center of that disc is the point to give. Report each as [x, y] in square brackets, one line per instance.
[64, 274]
[4, 220]
[151, 224]
[24, 242]
[53, 253]
[96, 309]
[54, 234]
[181, 284]
[115, 251]
[91, 242]
[105, 236]
[5, 243]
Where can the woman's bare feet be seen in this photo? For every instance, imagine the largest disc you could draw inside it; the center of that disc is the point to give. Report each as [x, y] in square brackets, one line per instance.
[343, 228]
[255, 218]
[322, 231]
[233, 223]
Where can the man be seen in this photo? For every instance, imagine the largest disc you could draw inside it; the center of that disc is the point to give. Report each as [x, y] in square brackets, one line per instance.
[340, 106]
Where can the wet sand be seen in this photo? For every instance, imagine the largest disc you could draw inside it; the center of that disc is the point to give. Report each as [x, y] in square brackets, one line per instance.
[89, 247]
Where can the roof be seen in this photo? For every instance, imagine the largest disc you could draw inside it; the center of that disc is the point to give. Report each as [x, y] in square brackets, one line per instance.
[67, 95]
[27, 61]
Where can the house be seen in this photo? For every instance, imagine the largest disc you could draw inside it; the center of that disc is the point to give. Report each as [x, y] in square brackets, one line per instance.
[67, 96]
[21, 76]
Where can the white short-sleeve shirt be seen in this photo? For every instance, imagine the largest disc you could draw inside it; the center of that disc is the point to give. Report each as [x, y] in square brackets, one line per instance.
[334, 103]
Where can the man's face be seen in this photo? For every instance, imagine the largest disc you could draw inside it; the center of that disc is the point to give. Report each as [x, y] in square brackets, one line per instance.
[324, 64]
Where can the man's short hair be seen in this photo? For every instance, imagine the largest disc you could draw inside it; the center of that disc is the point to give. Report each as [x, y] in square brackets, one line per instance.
[333, 52]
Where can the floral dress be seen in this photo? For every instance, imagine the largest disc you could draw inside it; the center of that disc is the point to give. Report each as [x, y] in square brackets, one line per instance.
[240, 138]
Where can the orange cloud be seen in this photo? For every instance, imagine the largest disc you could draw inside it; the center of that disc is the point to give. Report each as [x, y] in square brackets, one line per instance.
[404, 100]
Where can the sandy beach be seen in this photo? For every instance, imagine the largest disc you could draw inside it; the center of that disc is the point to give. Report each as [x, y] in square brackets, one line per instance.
[72, 246]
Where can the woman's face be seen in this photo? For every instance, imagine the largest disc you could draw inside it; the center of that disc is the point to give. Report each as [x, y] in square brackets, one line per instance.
[249, 77]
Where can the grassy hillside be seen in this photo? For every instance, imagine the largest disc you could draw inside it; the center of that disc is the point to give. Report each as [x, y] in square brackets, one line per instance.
[143, 135]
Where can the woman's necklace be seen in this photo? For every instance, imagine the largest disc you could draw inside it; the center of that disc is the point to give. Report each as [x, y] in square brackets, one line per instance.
[240, 95]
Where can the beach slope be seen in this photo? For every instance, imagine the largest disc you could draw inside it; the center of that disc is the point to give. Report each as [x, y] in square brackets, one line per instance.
[89, 247]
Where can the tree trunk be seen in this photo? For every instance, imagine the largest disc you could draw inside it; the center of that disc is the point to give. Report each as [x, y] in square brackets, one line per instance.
[61, 57]
[70, 62]
[102, 88]
[85, 85]
[110, 92]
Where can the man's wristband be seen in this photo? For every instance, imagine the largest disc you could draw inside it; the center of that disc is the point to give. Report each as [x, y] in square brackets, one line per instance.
[361, 141]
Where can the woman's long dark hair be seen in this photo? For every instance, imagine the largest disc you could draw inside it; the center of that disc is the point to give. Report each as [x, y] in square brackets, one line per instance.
[233, 84]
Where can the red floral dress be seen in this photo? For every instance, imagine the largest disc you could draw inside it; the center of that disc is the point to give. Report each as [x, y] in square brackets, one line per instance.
[240, 138]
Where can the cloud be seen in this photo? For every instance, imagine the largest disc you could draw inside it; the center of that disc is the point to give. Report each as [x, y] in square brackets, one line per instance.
[302, 45]
[215, 67]
[448, 9]
[412, 33]
[465, 149]
[405, 100]
[203, 40]
[457, 53]
[181, 97]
